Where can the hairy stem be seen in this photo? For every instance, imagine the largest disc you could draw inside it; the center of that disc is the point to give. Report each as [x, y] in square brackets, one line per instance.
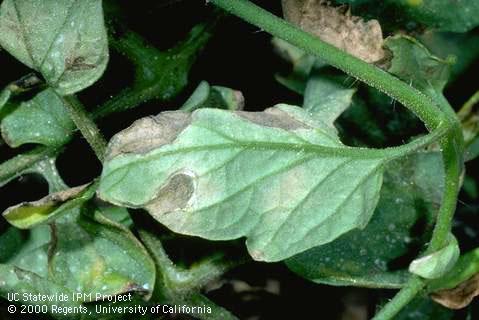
[86, 125]
[414, 100]
[181, 286]
[453, 158]
[401, 299]
[187, 280]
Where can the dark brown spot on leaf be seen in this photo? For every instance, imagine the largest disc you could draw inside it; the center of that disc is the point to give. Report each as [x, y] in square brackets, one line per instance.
[77, 64]
[174, 195]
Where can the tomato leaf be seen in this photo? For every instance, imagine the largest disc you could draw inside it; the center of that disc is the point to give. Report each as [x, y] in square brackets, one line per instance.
[270, 176]
[64, 40]
[29, 214]
[207, 96]
[414, 64]
[112, 261]
[443, 15]
[43, 120]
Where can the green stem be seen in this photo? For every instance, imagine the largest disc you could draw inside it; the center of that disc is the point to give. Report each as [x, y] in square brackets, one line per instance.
[401, 299]
[413, 99]
[181, 280]
[452, 154]
[467, 107]
[179, 286]
[87, 126]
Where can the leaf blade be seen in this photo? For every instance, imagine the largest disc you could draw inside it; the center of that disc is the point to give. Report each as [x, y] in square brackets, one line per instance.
[281, 148]
[64, 40]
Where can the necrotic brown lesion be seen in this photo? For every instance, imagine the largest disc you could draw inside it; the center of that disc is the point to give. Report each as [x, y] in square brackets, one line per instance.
[273, 118]
[149, 133]
[174, 195]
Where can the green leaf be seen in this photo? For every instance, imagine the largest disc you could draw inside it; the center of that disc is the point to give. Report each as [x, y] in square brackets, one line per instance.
[158, 74]
[4, 96]
[411, 192]
[326, 98]
[438, 263]
[29, 214]
[302, 63]
[414, 64]
[270, 176]
[48, 170]
[64, 40]
[29, 162]
[43, 119]
[11, 240]
[206, 96]
[31, 253]
[463, 46]
[116, 214]
[17, 280]
[443, 15]
[111, 260]
[472, 150]
[25, 269]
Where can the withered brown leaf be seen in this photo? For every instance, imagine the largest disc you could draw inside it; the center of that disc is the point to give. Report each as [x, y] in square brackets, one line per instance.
[336, 26]
[459, 296]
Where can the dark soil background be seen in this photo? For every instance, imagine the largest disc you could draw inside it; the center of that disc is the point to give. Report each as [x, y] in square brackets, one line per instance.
[241, 57]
